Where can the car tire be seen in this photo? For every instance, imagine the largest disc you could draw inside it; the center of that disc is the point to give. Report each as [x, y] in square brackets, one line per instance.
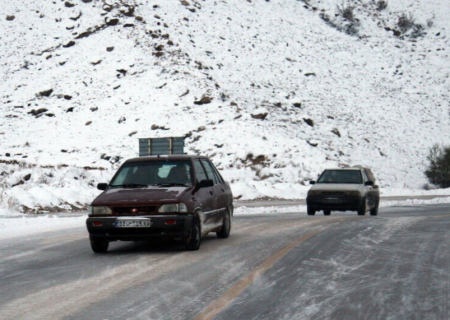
[311, 212]
[99, 245]
[195, 238]
[374, 211]
[226, 227]
[362, 209]
[326, 212]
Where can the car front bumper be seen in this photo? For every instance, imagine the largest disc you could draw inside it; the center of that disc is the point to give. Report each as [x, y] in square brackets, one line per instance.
[342, 203]
[105, 227]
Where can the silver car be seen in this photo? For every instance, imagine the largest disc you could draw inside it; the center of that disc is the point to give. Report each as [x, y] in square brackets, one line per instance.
[352, 189]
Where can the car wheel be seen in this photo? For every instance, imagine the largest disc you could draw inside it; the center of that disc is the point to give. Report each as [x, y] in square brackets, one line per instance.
[193, 242]
[311, 212]
[226, 227]
[362, 209]
[374, 211]
[327, 212]
[99, 245]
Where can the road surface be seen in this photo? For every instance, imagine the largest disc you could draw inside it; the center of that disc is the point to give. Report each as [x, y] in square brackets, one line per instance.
[273, 266]
[286, 203]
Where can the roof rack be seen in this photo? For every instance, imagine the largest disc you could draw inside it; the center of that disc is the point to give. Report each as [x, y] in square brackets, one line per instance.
[161, 146]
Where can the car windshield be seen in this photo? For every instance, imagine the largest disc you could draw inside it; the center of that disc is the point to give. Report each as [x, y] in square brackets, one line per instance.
[156, 173]
[340, 176]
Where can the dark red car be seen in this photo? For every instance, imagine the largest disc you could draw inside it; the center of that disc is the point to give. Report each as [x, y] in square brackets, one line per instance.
[171, 197]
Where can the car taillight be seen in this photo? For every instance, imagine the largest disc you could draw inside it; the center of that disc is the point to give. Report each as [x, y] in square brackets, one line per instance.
[171, 222]
[97, 224]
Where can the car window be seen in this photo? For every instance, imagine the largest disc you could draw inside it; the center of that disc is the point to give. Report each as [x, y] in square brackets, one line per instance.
[340, 176]
[219, 177]
[210, 171]
[370, 174]
[122, 174]
[364, 176]
[154, 173]
[199, 171]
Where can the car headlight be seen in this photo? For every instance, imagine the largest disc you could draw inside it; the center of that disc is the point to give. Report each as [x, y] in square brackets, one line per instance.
[354, 193]
[172, 207]
[100, 210]
[313, 193]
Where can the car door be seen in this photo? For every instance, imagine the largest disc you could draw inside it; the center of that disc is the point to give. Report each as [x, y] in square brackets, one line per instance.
[220, 209]
[207, 196]
[224, 196]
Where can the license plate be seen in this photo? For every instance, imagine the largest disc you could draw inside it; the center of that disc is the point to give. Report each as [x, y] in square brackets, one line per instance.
[133, 224]
[332, 200]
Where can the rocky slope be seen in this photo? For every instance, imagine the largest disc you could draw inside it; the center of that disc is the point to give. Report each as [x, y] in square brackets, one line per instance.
[273, 91]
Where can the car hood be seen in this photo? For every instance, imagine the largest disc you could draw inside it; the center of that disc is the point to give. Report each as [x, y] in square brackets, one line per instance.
[140, 196]
[336, 187]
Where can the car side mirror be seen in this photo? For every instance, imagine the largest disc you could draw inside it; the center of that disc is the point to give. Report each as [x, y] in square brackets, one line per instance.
[205, 184]
[369, 183]
[102, 186]
[312, 182]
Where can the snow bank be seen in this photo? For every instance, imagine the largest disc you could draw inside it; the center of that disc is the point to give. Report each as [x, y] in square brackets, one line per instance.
[26, 188]
[413, 202]
[302, 208]
[11, 227]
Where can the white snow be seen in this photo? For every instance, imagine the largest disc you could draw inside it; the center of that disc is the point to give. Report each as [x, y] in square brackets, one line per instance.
[413, 202]
[25, 226]
[375, 99]
[302, 208]
[47, 189]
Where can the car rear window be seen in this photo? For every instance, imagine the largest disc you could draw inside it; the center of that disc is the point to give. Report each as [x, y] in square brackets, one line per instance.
[153, 173]
[340, 176]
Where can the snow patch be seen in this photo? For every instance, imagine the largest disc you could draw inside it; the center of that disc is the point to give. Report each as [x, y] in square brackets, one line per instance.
[16, 226]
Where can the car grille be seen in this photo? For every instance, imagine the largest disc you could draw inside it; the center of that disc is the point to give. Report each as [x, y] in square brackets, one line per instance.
[133, 210]
[332, 193]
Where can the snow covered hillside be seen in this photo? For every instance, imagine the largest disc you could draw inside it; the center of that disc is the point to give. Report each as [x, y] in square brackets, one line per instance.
[273, 91]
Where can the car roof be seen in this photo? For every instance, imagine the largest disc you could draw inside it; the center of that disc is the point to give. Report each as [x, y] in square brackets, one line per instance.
[166, 158]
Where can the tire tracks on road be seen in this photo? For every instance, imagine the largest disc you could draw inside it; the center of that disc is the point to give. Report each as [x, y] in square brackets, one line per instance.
[63, 300]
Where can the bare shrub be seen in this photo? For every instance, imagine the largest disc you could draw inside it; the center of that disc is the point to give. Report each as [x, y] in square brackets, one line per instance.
[438, 171]
[405, 22]
[346, 12]
[325, 17]
[352, 28]
[381, 5]
[418, 31]
[349, 24]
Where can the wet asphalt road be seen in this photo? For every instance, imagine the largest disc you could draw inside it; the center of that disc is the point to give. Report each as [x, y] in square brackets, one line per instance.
[283, 266]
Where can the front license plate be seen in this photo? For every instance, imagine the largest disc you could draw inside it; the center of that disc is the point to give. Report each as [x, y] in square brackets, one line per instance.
[133, 224]
[332, 200]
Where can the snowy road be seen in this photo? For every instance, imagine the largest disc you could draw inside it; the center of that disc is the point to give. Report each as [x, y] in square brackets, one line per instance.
[283, 266]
